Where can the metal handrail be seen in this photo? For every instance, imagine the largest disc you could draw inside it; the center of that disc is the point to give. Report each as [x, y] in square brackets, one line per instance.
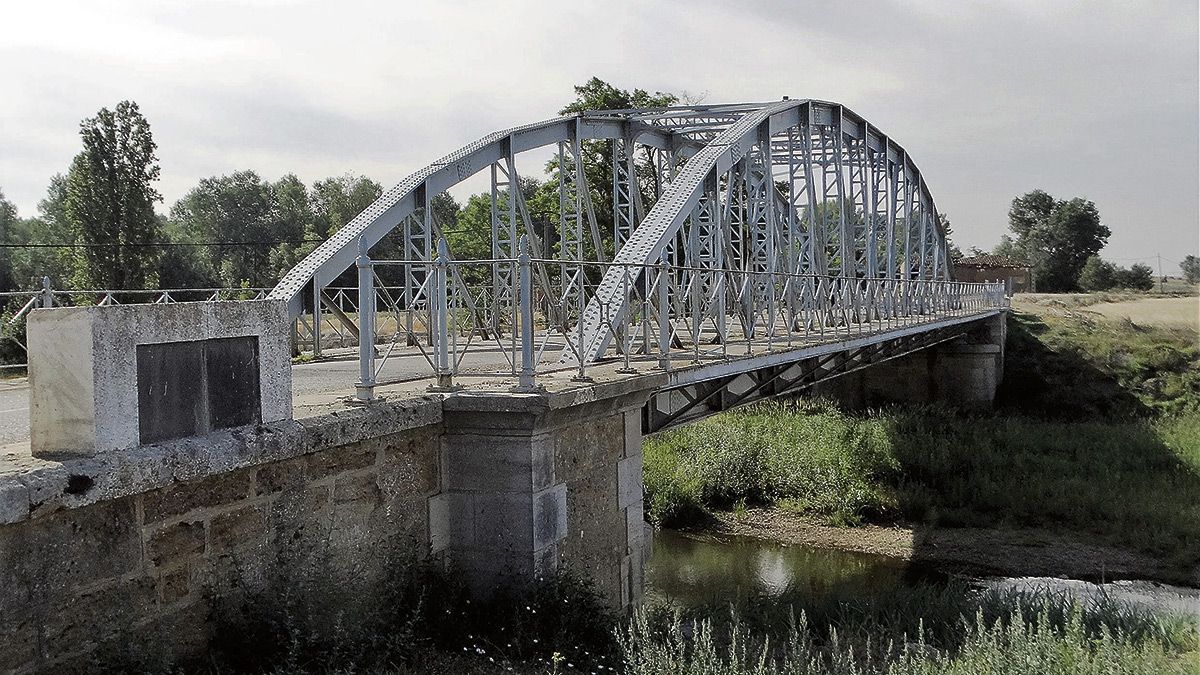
[684, 306]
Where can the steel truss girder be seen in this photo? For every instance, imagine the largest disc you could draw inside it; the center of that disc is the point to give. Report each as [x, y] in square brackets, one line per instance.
[886, 224]
[676, 405]
[840, 156]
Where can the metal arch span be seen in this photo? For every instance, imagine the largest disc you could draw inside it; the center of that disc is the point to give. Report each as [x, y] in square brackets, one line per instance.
[742, 202]
[397, 205]
[827, 150]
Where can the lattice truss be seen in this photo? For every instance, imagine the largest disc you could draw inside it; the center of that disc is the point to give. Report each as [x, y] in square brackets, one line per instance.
[721, 223]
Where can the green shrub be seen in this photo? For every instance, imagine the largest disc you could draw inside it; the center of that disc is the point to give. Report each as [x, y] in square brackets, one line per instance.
[1130, 484]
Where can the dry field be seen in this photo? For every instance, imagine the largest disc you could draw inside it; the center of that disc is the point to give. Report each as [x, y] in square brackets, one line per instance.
[1176, 310]
[1180, 312]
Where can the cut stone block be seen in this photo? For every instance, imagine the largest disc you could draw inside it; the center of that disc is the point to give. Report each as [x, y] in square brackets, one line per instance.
[116, 377]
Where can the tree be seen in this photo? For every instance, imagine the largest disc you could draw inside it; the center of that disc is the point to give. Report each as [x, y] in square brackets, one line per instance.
[1097, 275]
[239, 212]
[336, 201]
[1008, 249]
[293, 219]
[1191, 269]
[9, 224]
[596, 94]
[471, 238]
[50, 228]
[1139, 277]
[1056, 237]
[110, 198]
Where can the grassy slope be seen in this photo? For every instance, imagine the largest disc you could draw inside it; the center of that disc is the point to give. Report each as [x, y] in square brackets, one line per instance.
[1098, 433]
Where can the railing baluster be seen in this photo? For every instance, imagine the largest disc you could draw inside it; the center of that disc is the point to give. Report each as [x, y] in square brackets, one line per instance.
[365, 389]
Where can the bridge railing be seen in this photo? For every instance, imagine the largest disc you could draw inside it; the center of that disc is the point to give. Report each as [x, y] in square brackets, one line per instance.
[524, 317]
[16, 306]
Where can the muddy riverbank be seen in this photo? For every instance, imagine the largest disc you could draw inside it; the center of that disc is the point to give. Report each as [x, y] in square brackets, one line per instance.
[975, 551]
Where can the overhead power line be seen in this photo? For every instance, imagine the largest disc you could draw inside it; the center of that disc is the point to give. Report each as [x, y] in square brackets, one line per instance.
[160, 244]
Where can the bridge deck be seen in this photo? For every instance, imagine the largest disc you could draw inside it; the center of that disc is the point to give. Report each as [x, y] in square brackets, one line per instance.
[323, 386]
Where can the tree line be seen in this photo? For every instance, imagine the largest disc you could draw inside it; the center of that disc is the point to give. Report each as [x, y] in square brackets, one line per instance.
[97, 226]
[1061, 239]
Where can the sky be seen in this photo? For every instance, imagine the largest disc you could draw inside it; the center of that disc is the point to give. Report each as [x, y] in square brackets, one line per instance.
[991, 100]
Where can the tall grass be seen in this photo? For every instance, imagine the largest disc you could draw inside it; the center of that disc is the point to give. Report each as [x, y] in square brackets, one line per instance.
[1072, 367]
[1010, 644]
[1131, 484]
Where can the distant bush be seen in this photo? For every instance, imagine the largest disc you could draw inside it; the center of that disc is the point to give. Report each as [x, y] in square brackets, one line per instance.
[1097, 275]
[1101, 275]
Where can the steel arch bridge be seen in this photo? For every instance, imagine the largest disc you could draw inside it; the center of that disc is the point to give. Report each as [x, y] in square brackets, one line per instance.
[749, 222]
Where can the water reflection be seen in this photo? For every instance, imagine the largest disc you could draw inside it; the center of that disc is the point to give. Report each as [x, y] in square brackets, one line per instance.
[696, 569]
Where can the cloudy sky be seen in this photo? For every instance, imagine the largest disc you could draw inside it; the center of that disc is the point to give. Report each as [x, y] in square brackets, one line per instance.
[1093, 99]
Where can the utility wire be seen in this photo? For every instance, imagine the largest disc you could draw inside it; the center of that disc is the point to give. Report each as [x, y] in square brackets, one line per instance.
[168, 243]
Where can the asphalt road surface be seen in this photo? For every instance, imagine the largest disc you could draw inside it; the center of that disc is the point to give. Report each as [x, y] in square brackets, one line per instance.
[315, 385]
[14, 410]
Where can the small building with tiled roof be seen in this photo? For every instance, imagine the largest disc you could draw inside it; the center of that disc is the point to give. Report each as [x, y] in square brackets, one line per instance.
[987, 267]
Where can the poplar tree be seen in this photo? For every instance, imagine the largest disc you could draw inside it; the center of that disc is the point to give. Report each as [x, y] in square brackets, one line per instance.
[110, 198]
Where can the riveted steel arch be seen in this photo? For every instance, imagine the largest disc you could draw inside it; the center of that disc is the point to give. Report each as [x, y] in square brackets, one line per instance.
[763, 212]
[839, 163]
[396, 206]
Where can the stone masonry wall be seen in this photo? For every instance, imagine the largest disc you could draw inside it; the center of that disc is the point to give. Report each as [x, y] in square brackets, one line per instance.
[537, 483]
[144, 542]
[147, 548]
[600, 462]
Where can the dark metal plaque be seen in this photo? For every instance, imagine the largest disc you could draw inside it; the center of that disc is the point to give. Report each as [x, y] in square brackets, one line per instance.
[194, 387]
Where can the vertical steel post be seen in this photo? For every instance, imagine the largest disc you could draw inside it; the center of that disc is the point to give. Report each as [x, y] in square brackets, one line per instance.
[316, 306]
[524, 262]
[47, 294]
[365, 389]
[626, 341]
[441, 324]
[664, 313]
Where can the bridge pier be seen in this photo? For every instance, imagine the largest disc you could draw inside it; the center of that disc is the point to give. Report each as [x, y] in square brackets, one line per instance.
[965, 372]
[534, 483]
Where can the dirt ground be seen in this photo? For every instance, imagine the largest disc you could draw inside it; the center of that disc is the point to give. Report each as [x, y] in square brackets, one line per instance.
[1024, 552]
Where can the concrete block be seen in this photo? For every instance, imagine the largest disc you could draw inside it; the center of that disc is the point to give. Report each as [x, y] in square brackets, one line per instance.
[504, 522]
[451, 521]
[478, 462]
[486, 573]
[241, 528]
[14, 502]
[183, 497]
[54, 554]
[637, 577]
[545, 561]
[409, 466]
[629, 481]
[633, 432]
[84, 369]
[172, 585]
[635, 528]
[549, 516]
[626, 581]
[176, 543]
[332, 461]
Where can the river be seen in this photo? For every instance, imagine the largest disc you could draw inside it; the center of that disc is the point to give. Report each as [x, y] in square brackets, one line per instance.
[692, 570]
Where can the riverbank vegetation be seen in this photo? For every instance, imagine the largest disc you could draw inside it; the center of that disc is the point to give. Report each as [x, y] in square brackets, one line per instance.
[418, 620]
[1097, 434]
[1003, 648]
[1131, 485]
